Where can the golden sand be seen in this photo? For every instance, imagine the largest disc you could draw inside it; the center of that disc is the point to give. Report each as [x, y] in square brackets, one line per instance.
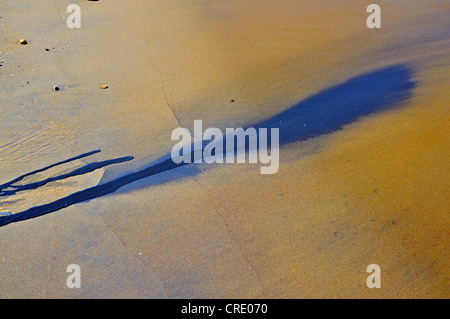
[375, 192]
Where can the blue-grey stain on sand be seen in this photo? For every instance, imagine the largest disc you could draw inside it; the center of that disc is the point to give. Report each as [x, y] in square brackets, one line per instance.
[322, 113]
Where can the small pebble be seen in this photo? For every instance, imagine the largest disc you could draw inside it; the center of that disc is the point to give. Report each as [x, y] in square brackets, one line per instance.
[56, 88]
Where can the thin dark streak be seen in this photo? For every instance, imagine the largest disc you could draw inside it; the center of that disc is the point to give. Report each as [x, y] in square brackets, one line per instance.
[8, 184]
[80, 171]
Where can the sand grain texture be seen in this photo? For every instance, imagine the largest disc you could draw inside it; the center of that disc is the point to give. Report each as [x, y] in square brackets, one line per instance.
[375, 191]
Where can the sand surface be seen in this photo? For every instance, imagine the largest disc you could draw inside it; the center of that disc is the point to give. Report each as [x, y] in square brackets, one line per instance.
[375, 191]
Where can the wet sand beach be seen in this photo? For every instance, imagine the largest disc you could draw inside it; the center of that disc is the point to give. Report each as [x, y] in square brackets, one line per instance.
[364, 146]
